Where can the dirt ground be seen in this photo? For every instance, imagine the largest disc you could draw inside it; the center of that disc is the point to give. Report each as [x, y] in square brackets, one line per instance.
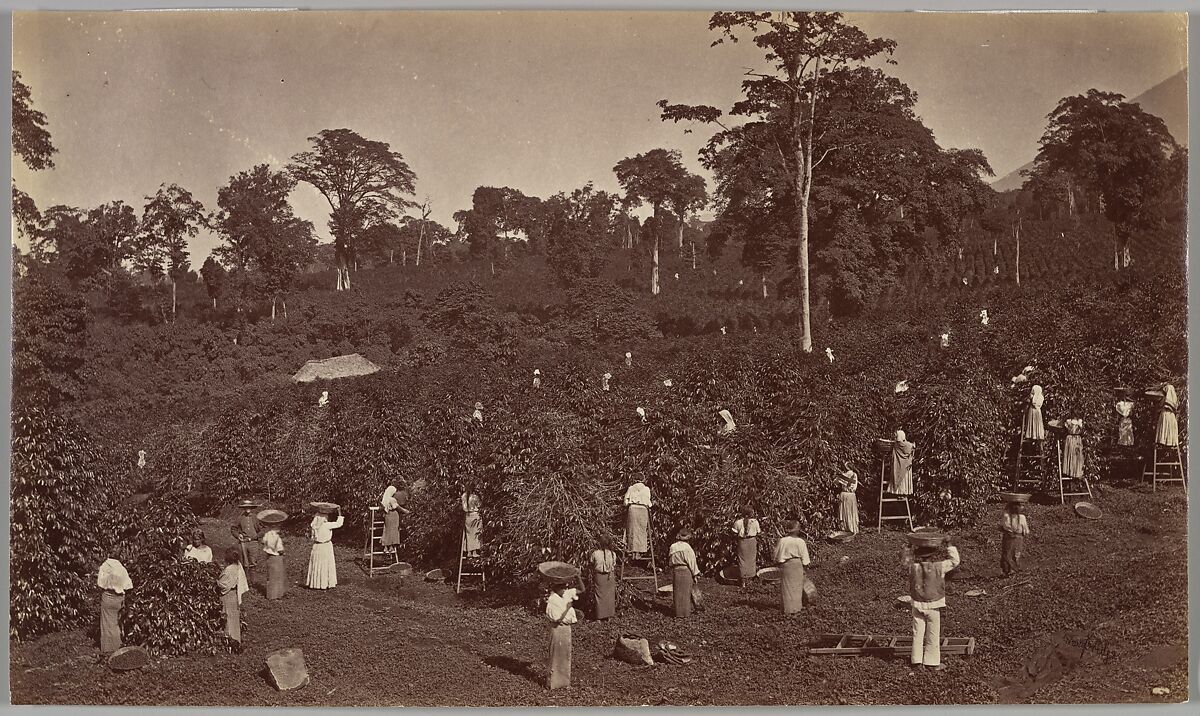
[1118, 585]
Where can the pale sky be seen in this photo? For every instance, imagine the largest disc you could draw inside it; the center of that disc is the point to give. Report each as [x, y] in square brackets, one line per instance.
[539, 101]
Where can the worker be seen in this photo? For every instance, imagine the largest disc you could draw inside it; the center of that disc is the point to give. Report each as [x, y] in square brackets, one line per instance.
[1013, 530]
[746, 530]
[391, 521]
[1124, 407]
[247, 532]
[1167, 433]
[232, 585]
[561, 613]
[472, 522]
[791, 554]
[902, 460]
[1032, 427]
[926, 572]
[272, 547]
[848, 501]
[322, 568]
[637, 519]
[114, 580]
[684, 573]
[1072, 455]
[198, 550]
[604, 585]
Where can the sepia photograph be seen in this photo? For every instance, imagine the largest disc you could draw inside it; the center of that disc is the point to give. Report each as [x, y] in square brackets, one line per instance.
[598, 358]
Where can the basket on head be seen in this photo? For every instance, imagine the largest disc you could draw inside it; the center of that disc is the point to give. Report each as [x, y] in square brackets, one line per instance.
[272, 517]
[558, 571]
[1015, 497]
[324, 506]
[249, 504]
[1088, 511]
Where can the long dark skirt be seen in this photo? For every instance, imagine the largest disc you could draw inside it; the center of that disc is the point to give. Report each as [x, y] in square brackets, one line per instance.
[110, 621]
[560, 657]
[233, 614]
[791, 587]
[637, 529]
[604, 586]
[276, 576]
[1010, 552]
[748, 557]
[681, 585]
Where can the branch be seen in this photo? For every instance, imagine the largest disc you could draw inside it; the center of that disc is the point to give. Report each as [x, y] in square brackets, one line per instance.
[826, 153]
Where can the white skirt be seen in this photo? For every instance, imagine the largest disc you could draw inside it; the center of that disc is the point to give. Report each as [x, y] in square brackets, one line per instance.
[322, 570]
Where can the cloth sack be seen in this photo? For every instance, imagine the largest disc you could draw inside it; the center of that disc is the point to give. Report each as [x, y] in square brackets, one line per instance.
[633, 649]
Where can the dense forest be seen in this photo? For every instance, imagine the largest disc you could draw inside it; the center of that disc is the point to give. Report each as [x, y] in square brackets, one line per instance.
[829, 273]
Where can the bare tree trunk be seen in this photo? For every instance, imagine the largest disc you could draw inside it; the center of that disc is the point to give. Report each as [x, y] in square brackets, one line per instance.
[681, 232]
[173, 302]
[214, 303]
[654, 268]
[693, 255]
[284, 302]
[1018, 266]
[273, 300]
[391, 256]
[493, 265]
[764, 285]
[628, 234]
[403, 255]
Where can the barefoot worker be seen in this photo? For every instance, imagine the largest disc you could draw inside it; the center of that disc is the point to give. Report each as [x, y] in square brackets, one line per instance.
[322, 569]
[926, 570]
[604, 583]
[114, 580]
[272, 547]
[232, 585]
[684, 573]
[902, 460]
[746, 530]
[791, 553]
[1032, 427]
[637, 518]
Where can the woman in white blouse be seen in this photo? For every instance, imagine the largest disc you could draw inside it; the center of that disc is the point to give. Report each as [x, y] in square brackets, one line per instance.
[322, 570]
[792, 555]
[746, 531]
[472, 522]
[561, 613]
[197, 550]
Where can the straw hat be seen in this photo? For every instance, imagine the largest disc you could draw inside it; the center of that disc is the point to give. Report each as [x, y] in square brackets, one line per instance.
[249, 504]
[272, 517]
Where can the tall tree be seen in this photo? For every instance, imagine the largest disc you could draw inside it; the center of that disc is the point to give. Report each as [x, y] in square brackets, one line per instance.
[31, 142]
[214, 275]
[266, 245]
[653, 178]
[581, 227]
[364, 181]
[800, 48]
[89, 247]
[169, 219]
[689, 194]
[500, 218]
[1116, 148]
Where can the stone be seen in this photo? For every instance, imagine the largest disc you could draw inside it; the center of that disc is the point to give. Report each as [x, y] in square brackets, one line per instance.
[286, 669]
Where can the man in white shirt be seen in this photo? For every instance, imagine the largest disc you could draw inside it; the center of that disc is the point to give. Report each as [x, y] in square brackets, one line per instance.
[927, 587]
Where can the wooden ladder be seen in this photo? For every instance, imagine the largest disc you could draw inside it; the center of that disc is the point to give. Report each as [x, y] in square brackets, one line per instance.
[465, 561]
[1063, 481]
[1152, 471]
[1023, 460]
[374, 546]
[907, 516]
[877, 645]
[652, 561]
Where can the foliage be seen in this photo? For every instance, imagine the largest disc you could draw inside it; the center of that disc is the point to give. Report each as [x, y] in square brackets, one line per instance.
[30, 138]
[50, 324]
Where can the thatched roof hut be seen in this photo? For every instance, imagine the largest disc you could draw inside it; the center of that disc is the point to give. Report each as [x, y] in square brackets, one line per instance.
[336, 367]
